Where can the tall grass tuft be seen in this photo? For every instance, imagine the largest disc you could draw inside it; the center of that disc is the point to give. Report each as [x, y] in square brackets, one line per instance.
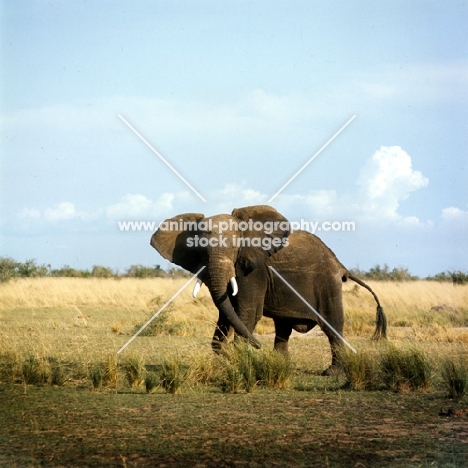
[240, 365]
[11, 367]
[58, 375]
[246, 368]
[204, 369]
[151, 382]
[405, 369]
[273, 370]
[173, 375]
[246, 360]
[134, 368]
[455, 377]
[95, 374]
[234, 380]
[110, 370]
[35, 370]
[361, 370]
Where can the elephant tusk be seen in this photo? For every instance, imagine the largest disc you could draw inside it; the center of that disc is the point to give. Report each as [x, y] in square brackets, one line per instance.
[234, 286]
[197, 287]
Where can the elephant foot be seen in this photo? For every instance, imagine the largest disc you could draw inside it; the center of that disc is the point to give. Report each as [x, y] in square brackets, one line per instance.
[217, 345]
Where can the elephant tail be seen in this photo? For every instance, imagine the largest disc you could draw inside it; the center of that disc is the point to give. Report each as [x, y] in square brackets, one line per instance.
[381, 319]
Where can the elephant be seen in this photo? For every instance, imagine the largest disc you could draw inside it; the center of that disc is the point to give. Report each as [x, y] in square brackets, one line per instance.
[244, 255]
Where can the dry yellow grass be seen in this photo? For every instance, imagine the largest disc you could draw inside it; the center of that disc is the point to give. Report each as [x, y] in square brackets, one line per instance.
[416, 310]
[79, 317]
[97, 293]
[89, 316]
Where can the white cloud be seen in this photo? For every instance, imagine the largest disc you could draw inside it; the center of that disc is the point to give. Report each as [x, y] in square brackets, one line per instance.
[234, 196]
[29, 213]
[140, 206]
[62, 211]
[131, 206]
[321, 204]
[453, 214]
[420, 82]
[386, 179]
[413, 222]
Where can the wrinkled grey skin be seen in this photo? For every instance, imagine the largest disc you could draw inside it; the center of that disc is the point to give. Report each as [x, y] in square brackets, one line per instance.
[306, 263]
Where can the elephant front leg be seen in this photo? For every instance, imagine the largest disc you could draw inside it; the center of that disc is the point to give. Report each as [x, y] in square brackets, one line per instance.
[283, 330]
[221, 334]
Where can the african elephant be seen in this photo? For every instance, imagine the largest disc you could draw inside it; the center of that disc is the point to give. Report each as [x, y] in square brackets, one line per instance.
[239, 252]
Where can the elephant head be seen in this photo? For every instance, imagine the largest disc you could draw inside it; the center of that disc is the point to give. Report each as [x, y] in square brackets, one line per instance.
[227, 245]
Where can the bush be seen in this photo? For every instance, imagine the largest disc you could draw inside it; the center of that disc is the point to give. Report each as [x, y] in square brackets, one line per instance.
[140, 271]
[8, 269]
[455, 277]
[99, 271]
[69, 272]
[379, 273]
[163, 324]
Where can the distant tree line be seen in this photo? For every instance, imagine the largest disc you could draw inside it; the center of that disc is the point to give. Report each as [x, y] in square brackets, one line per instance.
[10, 268]
[384, 273]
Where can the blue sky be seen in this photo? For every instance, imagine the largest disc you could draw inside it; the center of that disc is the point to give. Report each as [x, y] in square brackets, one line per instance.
[237, 96]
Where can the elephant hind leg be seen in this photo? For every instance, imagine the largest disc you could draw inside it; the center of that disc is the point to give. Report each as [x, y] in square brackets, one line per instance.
[283, 330]
[333, 313]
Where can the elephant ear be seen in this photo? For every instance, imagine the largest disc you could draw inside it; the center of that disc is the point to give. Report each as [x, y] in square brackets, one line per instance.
[272, 237]
[171, 240]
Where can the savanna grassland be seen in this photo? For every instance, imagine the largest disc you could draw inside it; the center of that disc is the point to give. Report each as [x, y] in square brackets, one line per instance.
[68, 399]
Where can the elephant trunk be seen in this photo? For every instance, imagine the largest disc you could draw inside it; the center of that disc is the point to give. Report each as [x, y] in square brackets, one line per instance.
[217, 282]
[225, 308]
